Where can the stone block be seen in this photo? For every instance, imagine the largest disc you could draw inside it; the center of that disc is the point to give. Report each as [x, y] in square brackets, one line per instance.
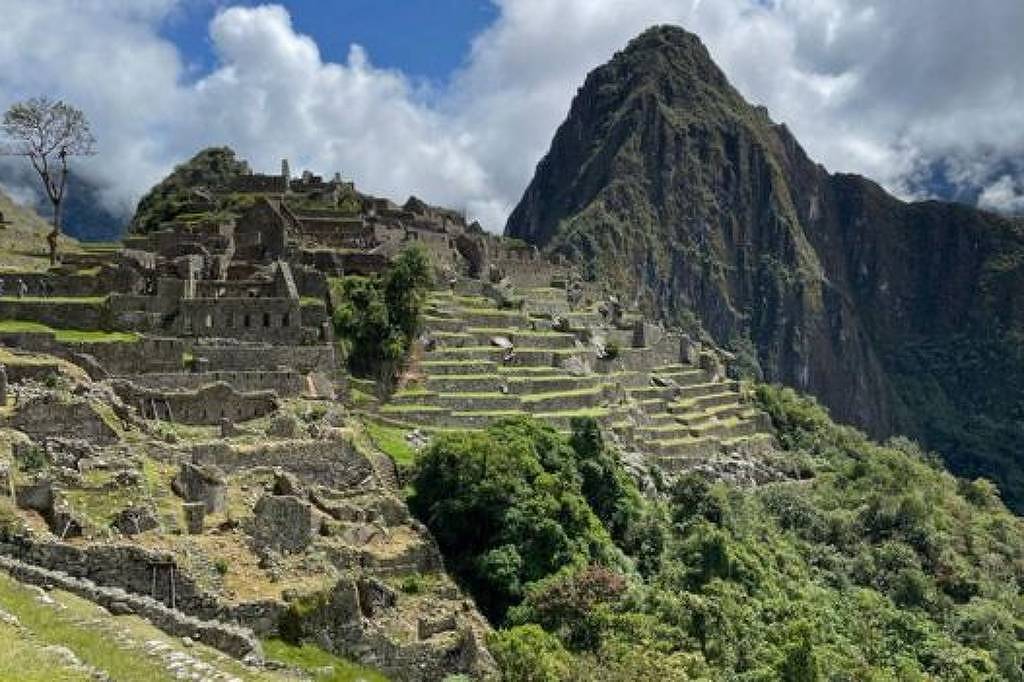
[201, 484]
[195, 515]
[283, 522]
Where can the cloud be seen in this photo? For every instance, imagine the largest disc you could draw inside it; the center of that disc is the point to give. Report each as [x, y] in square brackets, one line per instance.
[925, 96]
[1005, 194]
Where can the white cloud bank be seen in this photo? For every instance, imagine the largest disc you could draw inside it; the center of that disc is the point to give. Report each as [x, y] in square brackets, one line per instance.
[888, 89]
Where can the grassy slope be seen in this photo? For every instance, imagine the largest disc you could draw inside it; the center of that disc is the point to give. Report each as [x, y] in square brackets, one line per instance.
[23, 240]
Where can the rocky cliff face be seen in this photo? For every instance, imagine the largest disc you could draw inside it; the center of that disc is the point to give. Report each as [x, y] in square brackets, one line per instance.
[665, 183]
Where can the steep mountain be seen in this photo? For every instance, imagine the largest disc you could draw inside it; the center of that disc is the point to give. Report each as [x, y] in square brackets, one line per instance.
[901, 317]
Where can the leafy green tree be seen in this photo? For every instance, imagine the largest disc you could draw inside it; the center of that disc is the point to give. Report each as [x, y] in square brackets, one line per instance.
[506, 508]
[405, 290]
[377, 318]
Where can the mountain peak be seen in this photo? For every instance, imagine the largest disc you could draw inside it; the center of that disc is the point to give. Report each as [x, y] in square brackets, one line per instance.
[666, 49]
[670, 188]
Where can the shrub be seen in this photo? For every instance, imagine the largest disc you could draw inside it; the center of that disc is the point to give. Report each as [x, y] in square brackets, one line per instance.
[528, 654]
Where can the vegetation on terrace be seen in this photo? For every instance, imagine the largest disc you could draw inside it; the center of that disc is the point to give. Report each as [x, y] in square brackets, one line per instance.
[67, 335]
[876, 565]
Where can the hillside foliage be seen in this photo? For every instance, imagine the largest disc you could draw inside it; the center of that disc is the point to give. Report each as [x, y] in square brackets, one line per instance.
[210, 168]
[881, 566]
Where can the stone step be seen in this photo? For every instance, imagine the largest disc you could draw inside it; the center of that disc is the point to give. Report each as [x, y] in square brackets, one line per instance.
[727, 428]
[514, 371]
[505, 319]
[529, 357]
[688, 376]
[472, 302]
[472, 402]
[459, 367]
[652, 405]
[704, 402]
[660, 419]
[465, 383]
[650, 392]
[665, 450]
[696, 418]
[453, 339]
[523, 338]
[412, 397]
[627, 379]
[434, 323]
[526, 385]
[564, 400]
[563, 420]
[755, 444]
[492, 353]
[415, 414]
[662, 432]
[709, 388]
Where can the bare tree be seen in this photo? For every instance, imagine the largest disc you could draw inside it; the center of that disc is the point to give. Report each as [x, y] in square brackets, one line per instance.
[48, 133]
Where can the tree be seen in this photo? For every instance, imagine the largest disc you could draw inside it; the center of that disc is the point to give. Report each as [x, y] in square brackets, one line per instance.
[48, 133]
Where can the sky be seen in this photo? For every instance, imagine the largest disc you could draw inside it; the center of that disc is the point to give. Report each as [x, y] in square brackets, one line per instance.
[456, 101]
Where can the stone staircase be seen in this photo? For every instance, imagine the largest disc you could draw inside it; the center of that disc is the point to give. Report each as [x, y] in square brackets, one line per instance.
[675, 414]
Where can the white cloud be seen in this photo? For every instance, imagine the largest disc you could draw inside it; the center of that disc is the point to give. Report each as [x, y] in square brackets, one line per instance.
[1005, 194]
[885, 88]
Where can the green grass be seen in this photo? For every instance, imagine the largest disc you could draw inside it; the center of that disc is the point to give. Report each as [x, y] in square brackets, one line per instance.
[318, 662]
[391, 441]
[23, 660]
[310, 301]
[91, 645]
[595, 412]
[534, 397]
[361, 398]
[83, 300]
[434, 363]
[391, 409]
[497, 331]
[68, 335]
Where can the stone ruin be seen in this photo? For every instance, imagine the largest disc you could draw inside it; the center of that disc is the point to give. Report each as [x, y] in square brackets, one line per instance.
[206, 391]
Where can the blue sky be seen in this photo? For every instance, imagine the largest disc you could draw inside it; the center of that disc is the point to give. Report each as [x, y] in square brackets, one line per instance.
[425, 39]
[923, 96]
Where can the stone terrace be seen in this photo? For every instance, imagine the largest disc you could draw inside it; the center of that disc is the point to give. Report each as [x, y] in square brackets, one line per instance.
[674, 411]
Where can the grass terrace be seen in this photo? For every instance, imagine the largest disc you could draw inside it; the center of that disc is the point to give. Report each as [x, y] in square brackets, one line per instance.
[67, 335]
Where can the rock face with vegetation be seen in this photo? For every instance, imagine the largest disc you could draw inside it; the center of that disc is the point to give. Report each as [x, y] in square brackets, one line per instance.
[666, 184]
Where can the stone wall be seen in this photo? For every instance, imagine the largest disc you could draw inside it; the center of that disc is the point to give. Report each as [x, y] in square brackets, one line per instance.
[231, 639]
[667, 351]
[206, 405]
[46, 415]
[259, 356]
[285, 383]
[88, 314]
[334, 463]
[148, 354]
[277, 320]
